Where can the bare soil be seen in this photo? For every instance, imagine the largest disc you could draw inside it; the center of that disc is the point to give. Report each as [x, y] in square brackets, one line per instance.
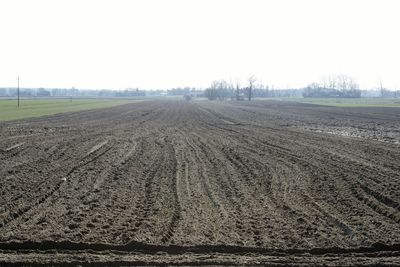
[202, 183]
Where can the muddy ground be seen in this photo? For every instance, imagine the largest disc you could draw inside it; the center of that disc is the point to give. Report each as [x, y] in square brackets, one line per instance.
[186, 183]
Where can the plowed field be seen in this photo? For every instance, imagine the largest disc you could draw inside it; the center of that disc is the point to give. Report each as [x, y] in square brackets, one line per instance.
[163, 182]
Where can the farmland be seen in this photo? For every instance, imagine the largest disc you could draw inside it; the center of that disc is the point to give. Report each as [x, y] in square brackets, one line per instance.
[219, 183]
[349, 102]
[47, 106]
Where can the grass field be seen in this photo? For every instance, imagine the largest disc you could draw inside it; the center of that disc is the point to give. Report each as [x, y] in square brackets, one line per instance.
[349, 102]
[40, 107]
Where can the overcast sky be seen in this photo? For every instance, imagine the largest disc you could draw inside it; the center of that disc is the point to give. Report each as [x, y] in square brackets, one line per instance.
[170, 43]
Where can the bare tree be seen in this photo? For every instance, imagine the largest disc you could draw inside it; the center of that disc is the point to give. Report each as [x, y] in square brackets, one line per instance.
[334, 86]
[346, 82]
[252, 79]
[332, 81]
[219, 90]
[381, 88]
[237, 90]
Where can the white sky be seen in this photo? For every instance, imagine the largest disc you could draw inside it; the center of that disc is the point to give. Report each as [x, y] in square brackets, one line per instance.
[169, 43]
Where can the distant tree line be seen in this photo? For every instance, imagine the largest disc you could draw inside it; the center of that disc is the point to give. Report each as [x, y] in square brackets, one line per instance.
[334, 86]
[181, 91]
[72, 92]
[221, 90]
[389, 94]
[338, 86]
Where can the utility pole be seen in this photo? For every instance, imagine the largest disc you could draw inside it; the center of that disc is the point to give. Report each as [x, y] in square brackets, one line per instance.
[18, 91]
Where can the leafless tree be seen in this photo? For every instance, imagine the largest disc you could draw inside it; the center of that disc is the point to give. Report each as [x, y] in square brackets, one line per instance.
[346, 82]
[237, 85]
[381, 88]
[334, 85]
[252, 79]
[219, 90]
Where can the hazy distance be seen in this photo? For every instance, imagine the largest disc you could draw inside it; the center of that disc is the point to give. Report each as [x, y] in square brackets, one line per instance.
[162, 44]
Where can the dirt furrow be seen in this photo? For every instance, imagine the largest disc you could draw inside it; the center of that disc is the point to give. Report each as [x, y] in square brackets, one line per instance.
[169, 177]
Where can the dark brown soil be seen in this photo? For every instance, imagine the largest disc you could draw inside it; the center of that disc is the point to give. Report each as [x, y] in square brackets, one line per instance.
[190, 183]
